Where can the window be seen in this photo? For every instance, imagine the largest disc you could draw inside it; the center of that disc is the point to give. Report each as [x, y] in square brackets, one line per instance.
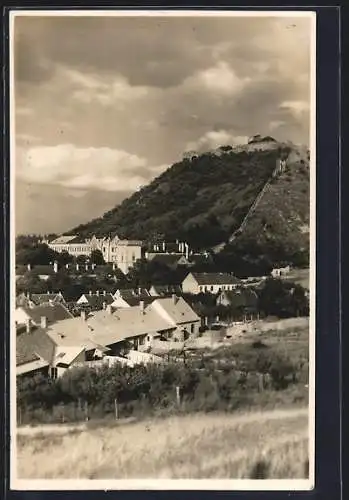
[200, 288]
[211, 288]
[53, 373]
[191, 328]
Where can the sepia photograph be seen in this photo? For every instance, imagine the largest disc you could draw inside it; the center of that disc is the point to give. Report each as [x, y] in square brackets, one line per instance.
[162, 249]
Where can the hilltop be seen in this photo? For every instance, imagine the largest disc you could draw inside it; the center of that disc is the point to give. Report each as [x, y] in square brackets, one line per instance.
[204, 198]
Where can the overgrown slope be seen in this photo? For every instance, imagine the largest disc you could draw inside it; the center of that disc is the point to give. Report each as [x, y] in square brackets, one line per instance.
[203, 199]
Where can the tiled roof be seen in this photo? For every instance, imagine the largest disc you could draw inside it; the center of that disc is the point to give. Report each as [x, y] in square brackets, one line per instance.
[64, 239]
[164, 290]
[33, 345]
[215, 279]
[177, 308]
[96, 302]
[168, 259]
[126, 323]
[73, 332]
[135, 301]
[130, 293]
[45, 298]
[53, 312]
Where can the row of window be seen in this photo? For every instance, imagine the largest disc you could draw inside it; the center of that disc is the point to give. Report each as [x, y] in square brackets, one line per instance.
[70, 249]
[211, 288]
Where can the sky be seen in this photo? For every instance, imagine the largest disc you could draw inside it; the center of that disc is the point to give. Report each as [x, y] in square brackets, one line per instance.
[105, 104]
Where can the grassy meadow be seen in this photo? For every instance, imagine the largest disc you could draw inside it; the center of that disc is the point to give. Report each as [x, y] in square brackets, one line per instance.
[250, 445]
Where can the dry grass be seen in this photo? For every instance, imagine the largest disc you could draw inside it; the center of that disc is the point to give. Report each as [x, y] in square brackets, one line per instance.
[252, 445]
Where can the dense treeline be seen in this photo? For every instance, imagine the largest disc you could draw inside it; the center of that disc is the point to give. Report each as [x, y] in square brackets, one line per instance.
[227, 382]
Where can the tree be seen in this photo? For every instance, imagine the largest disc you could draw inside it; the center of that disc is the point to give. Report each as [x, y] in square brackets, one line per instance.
[81, 260]
[65, 258]
[97, 257]
[35, 254]
[283, 299]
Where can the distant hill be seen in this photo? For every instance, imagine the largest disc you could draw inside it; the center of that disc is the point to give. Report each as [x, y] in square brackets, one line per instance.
[203, 199]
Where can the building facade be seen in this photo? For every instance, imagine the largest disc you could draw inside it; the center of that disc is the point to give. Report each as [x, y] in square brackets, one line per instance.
[124, 253]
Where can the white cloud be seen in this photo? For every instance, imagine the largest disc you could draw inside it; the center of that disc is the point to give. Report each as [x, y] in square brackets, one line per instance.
[90, 87]
[214, 139]
[297, 108]
[70, 166]
[219, 78]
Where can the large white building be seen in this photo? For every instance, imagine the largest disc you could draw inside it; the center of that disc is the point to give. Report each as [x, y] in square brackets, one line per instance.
[122, 252]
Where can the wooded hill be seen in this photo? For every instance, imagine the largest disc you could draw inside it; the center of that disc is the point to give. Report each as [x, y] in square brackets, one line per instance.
[203, 199]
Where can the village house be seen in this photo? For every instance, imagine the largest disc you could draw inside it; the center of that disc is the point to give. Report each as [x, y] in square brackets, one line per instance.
[243, 303]
[129, 297]
[39, 299]
[42, 315]
[171, 260]
[53, 349]
[209, 282]
[177, 311]
[95, 301]
[165, 290]
[281, 271]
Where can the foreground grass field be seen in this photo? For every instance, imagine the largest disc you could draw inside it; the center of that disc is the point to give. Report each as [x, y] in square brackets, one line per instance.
[256, 445]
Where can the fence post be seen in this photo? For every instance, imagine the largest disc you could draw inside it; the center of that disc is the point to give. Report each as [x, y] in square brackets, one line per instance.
[116, 407]
[178, 396]
[261, 382]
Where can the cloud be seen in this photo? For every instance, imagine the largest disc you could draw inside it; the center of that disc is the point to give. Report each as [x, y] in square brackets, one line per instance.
[73, 167]
[297, 108]
[108, 103]
[219, 78]
[213, 139]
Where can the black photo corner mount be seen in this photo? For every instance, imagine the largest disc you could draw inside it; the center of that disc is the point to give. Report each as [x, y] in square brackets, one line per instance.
[329, 427]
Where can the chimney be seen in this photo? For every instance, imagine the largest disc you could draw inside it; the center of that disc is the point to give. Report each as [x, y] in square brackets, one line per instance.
[109, 309]
[174, 298]
[77, 267]
[27, 325]
[186, 251]
[55, 267]
[97, 293]
[43, 322]
[90, 292]
[83, 315]
[141, 306]
[104, 305]
[29, 267]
